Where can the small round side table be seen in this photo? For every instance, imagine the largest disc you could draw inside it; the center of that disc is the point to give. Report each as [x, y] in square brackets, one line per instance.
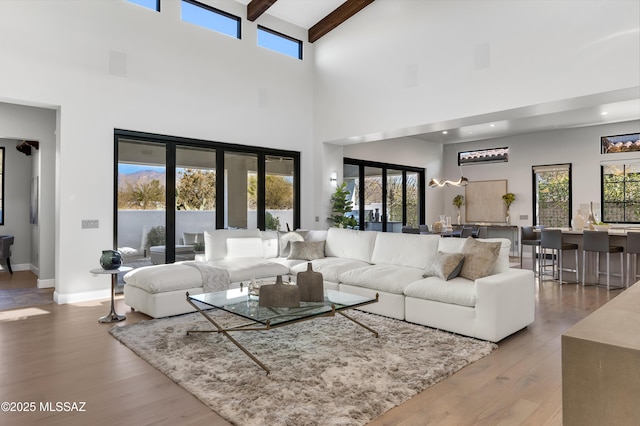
[112, 316]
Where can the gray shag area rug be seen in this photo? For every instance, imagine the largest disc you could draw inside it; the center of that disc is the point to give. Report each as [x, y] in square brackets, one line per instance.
[326, 371]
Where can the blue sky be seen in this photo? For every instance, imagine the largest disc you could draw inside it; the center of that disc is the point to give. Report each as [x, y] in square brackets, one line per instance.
[229, 26]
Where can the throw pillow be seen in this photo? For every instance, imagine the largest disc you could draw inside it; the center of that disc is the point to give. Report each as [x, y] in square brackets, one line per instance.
[285, 241]
[479, 258]
[444, 265]
[306, 250]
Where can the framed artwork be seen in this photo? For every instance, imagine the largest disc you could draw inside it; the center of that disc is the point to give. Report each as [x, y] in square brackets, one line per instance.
[33, 210]
[620, 143]
[483, 201]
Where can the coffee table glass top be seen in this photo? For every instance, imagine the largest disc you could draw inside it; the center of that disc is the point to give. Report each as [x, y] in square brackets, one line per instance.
[237, 301]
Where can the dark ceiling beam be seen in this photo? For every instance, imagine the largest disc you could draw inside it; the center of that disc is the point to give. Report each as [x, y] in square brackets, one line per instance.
[337, 17]
[255, 8]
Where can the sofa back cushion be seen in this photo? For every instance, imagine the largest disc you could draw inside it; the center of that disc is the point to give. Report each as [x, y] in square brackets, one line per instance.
[270, 244]
[215, 241]
[411, 250]
[455, 245]
[244, 247]
[350, 244]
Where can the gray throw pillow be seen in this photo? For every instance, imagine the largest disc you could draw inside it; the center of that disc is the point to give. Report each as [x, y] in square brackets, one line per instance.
[444, 265]
[285, 242]
[479, 258]
[306, 250]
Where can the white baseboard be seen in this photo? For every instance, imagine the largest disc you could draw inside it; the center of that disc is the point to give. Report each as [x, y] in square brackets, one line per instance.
[86, 296]
[17, 267]
[50, 283]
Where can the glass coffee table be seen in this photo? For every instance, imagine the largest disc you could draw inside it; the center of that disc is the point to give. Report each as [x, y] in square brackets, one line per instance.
[260, 318]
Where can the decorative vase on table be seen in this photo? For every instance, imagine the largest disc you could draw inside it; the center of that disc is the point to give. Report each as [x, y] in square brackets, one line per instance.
[592, 220]
[459, 217]
[110, 259]
[577, 223]
[507, 219]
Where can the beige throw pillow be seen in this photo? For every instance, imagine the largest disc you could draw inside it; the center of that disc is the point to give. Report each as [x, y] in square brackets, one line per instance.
[306, 250]
[479, 258]
[444, 265]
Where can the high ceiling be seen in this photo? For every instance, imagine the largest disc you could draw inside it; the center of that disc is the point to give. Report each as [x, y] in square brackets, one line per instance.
[303, 13]
[612, 107]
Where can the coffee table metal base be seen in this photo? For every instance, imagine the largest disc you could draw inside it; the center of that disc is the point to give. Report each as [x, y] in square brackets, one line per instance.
[252, 327]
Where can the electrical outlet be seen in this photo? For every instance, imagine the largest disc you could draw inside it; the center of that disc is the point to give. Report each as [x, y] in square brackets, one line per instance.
[317, 218]
[524, 217]
[87, 224]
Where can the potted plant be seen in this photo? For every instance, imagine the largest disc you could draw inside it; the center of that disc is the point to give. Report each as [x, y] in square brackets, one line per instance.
[341, 204]
[508, 198]
[458, 201]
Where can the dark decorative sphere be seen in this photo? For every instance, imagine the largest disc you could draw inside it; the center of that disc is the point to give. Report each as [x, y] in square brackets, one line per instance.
[110, 259]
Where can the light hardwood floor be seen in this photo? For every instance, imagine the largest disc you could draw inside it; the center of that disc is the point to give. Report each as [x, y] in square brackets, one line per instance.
[60, 353]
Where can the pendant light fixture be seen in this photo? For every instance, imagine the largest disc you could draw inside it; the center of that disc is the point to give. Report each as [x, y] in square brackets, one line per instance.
[463, 181]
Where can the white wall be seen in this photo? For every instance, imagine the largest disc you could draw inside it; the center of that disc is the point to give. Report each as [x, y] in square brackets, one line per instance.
[410, 152]
[113, 64]
[399, 66]
[580, 147]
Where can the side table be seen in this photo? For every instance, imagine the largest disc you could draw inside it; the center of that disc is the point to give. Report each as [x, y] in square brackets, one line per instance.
[112, 316]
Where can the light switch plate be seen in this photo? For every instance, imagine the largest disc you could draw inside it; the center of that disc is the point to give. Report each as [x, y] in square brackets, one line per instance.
[87, 224]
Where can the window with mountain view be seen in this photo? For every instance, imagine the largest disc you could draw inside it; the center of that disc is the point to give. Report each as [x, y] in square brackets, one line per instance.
[170, 190]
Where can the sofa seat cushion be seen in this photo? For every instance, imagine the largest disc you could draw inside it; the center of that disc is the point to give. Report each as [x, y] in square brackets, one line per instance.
[457, 291]
[163, 278]
[330, 267]
[245, 268]
[387, 278]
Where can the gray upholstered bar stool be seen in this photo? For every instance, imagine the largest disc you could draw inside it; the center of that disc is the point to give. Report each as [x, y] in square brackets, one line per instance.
[528, 237]
[552, 239]
[598, 242]
[633, 249]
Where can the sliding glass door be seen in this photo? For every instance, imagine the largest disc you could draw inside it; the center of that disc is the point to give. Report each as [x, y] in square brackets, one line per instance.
[170, 190]
[141, 202]
[385, 197]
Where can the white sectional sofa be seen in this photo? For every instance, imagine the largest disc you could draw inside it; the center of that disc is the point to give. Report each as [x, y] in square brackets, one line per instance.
[391, 265]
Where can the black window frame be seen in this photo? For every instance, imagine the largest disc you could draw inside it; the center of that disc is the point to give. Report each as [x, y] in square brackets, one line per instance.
[157, 8]
[534, 190]
[626, 199]
[172, 143]
[284, 36]
[219, 12]
[362, 164]
[2, 175]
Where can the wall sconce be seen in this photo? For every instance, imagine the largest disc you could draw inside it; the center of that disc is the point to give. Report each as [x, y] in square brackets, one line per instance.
[334, 179]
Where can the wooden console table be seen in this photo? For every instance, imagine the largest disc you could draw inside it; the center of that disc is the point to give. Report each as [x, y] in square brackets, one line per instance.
[601, 364]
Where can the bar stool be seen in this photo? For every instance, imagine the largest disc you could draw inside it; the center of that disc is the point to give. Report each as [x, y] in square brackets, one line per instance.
[633, 249]
[552, 239]
[598, 242]
[529, 238]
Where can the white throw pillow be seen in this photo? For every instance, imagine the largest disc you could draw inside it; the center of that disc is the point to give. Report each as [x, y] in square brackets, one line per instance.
[244, 247]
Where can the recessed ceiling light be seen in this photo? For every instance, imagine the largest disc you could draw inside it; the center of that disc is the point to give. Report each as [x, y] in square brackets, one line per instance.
[445, 132]
[604, 113]
[492, 125]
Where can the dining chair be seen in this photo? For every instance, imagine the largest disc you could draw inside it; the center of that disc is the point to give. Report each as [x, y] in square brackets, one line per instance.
[6, 241]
